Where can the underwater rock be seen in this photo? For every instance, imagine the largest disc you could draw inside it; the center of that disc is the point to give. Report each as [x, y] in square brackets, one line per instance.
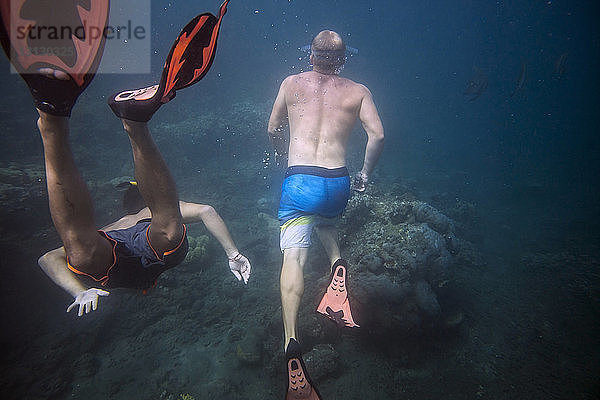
[235, 333]
[23, 200]
[453, 320]
[425, 213]
[249, 349]
[50, 385]
[269, 223]
[219, 388]
[400, 251]
[85, 366]
[374, 289]
[311, 329]
[322, 362]
[426, 299]
[266, 205]
[372, 263]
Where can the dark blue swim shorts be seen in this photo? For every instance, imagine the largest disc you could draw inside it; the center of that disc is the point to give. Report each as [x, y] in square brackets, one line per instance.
[135, 263]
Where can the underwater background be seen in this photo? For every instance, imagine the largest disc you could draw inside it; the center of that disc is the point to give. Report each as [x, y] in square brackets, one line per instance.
[491, 119]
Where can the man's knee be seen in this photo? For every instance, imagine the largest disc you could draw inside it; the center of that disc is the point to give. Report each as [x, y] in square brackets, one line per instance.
[86, 247]
[295, 258]
[291, 286]
[80, 260]
[98, 255]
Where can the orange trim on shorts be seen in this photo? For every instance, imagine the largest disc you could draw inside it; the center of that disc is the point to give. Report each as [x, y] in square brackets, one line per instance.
[104, 280]
[166, 253]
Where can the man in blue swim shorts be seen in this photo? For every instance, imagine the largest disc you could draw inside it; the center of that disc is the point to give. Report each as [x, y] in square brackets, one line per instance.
[320, 108]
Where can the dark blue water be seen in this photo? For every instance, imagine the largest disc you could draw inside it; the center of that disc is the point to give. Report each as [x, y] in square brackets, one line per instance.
[524, 154]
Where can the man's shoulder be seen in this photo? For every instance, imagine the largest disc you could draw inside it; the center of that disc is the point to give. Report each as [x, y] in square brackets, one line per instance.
[291, 82]
[357, 85]
[290, 79]
[357, 89]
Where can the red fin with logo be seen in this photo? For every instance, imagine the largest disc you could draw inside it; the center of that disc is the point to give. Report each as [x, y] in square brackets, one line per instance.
[189, 60]
[42, 36]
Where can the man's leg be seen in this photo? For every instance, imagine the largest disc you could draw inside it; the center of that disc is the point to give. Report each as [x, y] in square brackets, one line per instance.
[157, 187]
[292, 287]
[328, 235]
[69, 199]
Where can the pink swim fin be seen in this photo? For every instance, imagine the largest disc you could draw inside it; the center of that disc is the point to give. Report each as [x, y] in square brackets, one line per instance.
[335, 304]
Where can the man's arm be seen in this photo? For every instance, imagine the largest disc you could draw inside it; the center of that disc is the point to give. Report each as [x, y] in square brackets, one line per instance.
[54, 264]
[369, 117]
[192, 212]
[278, 121]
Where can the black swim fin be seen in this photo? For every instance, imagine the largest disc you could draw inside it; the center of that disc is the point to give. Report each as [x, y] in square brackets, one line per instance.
[299, 385]
[190, 58]
[29, 52]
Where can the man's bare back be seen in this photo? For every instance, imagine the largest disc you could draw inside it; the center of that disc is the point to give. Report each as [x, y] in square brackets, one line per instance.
[321, 110]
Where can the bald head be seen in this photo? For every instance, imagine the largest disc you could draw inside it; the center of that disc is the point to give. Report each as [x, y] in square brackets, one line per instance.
[328, 52]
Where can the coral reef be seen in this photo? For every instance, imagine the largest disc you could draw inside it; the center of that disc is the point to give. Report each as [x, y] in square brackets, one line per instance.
[23, 199]
[401, 253]
[198, 252]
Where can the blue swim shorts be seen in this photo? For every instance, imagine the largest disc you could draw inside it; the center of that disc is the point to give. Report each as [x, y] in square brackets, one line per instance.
[310, 196]
[136, 264]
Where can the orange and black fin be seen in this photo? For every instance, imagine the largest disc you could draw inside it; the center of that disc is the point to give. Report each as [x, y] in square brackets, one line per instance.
[335, 304]
[190, 58]
[30, 46]
[299, 385]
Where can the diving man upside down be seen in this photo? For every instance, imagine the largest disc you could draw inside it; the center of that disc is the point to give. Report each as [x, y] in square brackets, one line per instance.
[135, 250]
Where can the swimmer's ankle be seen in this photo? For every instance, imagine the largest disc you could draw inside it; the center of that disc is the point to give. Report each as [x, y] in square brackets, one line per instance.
[48, 122]
[131, 126]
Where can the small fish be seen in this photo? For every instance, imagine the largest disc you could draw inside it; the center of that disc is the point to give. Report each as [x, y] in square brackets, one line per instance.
[522, 79]
[560, 67]
[476, 85]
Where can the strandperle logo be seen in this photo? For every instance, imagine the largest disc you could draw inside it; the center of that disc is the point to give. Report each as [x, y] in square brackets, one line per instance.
[83, 32]
[64, 30]
[128, 31]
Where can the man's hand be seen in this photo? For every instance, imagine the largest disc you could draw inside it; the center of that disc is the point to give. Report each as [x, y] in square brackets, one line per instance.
[240, 267]
[280, 144]
[359, 184]
[87, 300]
[281, 160]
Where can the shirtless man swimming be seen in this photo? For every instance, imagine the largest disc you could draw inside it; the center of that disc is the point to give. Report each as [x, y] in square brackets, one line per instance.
[321, 109]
